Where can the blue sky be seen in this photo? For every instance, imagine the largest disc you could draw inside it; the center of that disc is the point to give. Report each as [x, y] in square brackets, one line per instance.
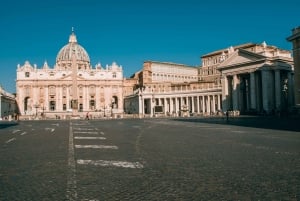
[130, 32]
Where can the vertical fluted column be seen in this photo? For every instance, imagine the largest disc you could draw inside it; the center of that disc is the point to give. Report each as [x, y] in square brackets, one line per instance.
[278, 90]
[252, 91]
[225, 96]
[265, 89]
[235, 92]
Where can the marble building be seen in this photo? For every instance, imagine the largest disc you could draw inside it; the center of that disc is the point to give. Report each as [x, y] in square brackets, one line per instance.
[71, 87]
[248, 78]
[295, 39]
[8, 105]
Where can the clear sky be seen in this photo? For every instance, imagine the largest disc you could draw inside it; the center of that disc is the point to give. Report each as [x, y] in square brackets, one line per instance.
[130, 32]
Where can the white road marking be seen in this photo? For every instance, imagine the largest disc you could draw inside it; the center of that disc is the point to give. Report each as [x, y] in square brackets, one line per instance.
[15, 131]
[97, 146]
[238, 131]
[10, 140]
[104, 163]
[87, 132]
[83, 129]
[55, 124]
[90, 138]
[102, 133]
[51, 129]
[71, 193]
[23, 133]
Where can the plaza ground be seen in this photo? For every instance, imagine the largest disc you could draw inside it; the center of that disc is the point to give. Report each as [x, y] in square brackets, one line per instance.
[245, 158]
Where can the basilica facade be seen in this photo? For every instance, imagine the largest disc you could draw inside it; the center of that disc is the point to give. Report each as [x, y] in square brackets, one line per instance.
[248, 78]
[71, 88]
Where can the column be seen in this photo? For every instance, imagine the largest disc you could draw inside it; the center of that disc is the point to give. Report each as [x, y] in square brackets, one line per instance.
[193, 104]
[203, 104]
[225, 93]
[166, 108]
[86, 98]
[265, 88]
[278, 90]
[208, 105]
[219, 102]
[141, 105]
[290, 89]
[68, 98]
[175, 102]
[198, 104]
[235, 92]
[213, 104]
[171, 106]
[46, 102]
[252, 91]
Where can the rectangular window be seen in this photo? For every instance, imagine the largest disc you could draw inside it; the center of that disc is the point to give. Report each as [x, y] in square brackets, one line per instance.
[52, 105]
[27, 74]
[92, 104]
[64, 107]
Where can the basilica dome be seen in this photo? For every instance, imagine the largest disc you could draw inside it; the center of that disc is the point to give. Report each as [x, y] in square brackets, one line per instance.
[65, 53]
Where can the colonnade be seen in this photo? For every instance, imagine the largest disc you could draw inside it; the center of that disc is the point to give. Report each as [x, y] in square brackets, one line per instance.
[261, 91]
[181, 104]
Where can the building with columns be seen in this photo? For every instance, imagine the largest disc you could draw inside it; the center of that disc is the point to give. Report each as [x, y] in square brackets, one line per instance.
[72, 87]
[295, 39]
[8, 105]
[171, 89]
[248, 78]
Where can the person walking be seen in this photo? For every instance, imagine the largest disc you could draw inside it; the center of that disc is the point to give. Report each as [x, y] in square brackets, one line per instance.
[87, 116]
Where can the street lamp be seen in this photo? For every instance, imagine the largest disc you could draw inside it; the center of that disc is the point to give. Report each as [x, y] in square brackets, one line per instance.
[104, 110]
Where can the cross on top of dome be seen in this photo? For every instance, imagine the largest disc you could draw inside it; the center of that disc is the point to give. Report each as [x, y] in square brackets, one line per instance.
[72, 38]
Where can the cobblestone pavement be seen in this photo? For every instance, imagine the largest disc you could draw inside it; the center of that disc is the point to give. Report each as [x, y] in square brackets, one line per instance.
[151, 159]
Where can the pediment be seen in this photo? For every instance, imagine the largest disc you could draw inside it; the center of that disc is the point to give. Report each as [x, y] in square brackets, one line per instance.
[241, 57]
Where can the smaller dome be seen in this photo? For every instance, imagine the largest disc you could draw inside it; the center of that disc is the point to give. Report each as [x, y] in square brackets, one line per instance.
[65, 53]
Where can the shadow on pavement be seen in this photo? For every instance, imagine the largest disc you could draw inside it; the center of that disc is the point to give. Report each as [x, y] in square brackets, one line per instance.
[6, 124]
[267, 122]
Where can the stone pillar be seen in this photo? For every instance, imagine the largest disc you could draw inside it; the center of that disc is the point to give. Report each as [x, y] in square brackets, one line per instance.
[166, 108]
[235, 93]
[141, 110]
[295, 39]
[265, 89]
[252, 91]
[46, 102]
[219, 102]
[278, 90]
[203, 105]
[198, 104]
[290, 90]
[68, 106]
[225, 96]
[193, 104]
[213, 104]
[208, 105]
[152, 102]
[171, 105]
